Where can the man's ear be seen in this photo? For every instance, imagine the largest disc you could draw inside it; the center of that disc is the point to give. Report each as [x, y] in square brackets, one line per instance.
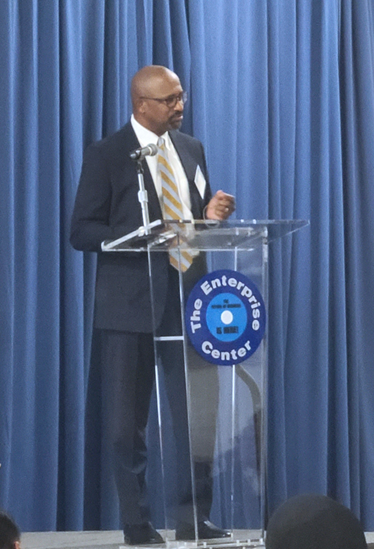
[141, 105]
[17, 545]
[141, 108]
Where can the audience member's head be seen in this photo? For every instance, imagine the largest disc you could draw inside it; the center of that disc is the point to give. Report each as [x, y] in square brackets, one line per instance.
[314, 522]
[10, 534]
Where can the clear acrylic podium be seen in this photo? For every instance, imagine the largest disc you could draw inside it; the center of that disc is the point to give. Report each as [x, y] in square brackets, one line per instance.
[211, 418]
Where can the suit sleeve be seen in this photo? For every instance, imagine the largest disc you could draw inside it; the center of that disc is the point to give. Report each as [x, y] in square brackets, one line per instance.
[90, 219]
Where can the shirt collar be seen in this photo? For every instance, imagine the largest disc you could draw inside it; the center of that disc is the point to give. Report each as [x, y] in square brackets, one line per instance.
[145, 136]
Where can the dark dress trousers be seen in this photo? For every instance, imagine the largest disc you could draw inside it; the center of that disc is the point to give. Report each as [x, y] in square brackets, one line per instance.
[107, 207]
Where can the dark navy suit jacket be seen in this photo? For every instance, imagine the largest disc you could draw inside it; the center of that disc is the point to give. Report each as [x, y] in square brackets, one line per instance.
[107, 207]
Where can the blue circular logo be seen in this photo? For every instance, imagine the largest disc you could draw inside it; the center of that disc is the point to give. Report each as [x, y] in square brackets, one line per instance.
[225, 317]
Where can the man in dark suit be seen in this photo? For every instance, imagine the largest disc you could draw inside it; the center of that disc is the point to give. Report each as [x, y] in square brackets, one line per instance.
[107, 207]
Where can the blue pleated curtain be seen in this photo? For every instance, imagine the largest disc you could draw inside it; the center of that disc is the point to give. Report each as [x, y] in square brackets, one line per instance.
[282, 96]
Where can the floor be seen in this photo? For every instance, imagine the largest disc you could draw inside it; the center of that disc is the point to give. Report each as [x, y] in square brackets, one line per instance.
[114, 540]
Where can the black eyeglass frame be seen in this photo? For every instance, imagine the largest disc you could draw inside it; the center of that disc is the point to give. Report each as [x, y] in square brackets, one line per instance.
[171, 100]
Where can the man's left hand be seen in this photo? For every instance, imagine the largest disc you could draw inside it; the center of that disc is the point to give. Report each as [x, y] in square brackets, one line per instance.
[220, 206]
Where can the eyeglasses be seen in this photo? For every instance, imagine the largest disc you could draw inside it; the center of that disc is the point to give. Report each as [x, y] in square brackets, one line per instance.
[170, 101]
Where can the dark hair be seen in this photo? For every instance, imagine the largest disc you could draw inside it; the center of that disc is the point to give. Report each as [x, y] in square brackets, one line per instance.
[312, 521]
[9, 531]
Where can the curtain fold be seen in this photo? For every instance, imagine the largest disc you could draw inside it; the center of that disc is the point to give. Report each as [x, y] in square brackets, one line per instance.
[282, 96]
[357, 92]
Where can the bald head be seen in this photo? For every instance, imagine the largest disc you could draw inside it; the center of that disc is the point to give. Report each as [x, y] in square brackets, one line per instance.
[312, 521]
[150, 86]
[149, 78]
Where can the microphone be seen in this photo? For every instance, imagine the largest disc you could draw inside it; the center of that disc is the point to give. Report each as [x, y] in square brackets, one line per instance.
[139, 154]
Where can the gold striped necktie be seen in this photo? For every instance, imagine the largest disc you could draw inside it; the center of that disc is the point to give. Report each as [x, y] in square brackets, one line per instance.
[172, 205]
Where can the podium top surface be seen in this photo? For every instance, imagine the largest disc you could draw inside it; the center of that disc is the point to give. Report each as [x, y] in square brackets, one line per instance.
[204, 234]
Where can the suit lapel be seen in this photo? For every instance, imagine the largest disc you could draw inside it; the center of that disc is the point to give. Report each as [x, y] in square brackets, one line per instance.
[189, 164]
[153, 201]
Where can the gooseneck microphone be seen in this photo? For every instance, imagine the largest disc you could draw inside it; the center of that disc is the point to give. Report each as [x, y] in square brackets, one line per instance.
[139, 154]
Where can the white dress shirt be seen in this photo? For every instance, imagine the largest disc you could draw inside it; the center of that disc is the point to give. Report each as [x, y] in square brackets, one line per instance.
[146, 137]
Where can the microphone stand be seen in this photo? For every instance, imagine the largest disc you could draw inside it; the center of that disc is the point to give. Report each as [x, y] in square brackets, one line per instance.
[143, 196]
[139, 236]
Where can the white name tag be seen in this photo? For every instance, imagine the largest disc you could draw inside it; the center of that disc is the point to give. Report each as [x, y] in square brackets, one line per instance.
[200, 181]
